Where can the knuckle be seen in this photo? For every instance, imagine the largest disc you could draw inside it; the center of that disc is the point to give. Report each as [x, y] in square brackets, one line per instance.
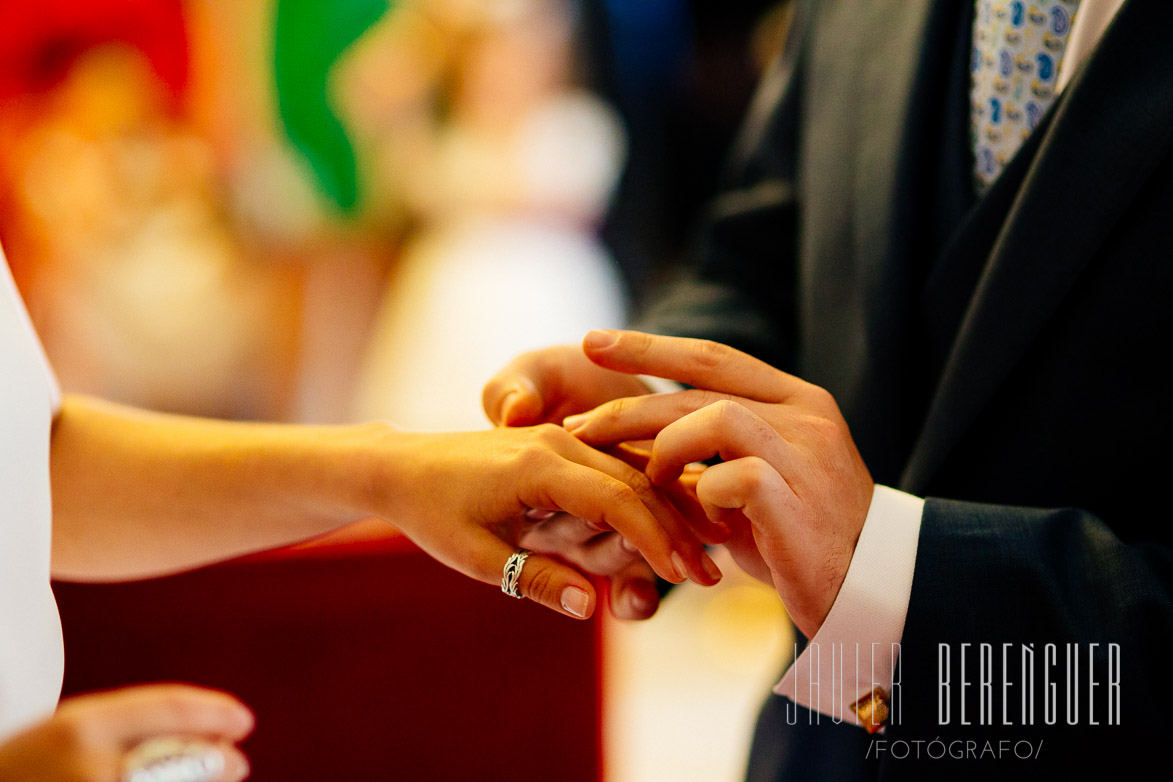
[757, 474]
[822, 399]
[638, 342]
[549, 435]
[726, 408]
[614, 411]
[821, 428]
[619, 495]
[541, 586]
[710, 354]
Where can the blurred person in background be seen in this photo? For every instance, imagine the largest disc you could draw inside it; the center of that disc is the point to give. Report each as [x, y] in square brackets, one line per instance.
[505, 167]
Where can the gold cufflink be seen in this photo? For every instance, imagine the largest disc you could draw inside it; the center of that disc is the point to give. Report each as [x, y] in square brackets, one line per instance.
[872, 709]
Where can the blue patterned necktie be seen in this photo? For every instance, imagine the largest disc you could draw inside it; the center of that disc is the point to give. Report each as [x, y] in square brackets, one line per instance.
[1018, 46]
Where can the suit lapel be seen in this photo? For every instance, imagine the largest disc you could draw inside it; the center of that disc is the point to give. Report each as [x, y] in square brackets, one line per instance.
[869, 171]
[1113, 125]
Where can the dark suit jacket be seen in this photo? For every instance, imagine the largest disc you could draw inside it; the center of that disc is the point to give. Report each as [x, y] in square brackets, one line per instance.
[1008, 358]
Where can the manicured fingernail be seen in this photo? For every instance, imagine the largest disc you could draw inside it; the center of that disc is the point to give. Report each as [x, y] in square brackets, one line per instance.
[573, 422]
[710, 568]
[599, 339]
[678, 565]
[575, 601]
[628, 546]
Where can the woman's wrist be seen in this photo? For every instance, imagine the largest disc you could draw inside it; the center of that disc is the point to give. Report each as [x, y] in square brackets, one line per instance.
[379, 469]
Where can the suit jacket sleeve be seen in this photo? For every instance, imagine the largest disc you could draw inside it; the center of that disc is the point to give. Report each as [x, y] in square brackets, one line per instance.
[740, 287]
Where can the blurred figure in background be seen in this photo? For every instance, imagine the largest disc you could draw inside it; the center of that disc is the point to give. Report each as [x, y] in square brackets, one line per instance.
[506, 167]
[147, 296]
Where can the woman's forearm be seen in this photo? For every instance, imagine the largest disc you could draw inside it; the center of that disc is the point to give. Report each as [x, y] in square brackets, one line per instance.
[139, 494]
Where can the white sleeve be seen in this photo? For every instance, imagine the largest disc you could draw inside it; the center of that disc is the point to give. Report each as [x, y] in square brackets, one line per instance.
[857, 647]
[8, 287]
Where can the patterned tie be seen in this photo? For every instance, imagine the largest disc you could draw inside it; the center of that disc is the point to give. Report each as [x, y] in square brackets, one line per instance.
[1018, 47]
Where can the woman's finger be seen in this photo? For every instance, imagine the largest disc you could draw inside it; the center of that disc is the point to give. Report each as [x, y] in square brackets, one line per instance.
[636, 511]
[635, 454]
[629, 504]
[694, 362]
[130, 715]
[606, 554]
[726, 429]
[542, 579]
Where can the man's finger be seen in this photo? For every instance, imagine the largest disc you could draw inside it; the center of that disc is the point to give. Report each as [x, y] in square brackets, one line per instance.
[749, 485]
[726, 429]
[694, 362]
[636, 417]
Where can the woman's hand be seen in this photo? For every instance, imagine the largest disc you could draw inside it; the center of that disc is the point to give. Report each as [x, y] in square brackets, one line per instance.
[790, 466]
[469, 499]
[88, 738]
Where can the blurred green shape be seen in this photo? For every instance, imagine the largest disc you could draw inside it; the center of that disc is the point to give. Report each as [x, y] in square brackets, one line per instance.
[310, 35]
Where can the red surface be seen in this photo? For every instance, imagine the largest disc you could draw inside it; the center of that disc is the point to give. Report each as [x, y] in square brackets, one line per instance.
[40, 39]
[363, 660]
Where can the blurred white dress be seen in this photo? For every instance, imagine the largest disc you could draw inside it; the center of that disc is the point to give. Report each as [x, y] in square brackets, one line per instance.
[32, 657]
[484, 283]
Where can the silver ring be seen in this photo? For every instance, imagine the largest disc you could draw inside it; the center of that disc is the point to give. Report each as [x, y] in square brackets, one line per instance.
[173, 759]
[512, 575]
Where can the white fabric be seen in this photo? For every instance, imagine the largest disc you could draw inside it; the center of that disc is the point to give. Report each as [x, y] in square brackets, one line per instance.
[856, 648]
[466, 302]
[873, 603]
[32, 657]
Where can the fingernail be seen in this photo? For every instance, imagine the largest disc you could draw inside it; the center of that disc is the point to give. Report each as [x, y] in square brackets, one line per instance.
[678, 564]
[572, 422]
[507, 402]
[599, 339]
[628, 546]
[575, 601]
[710, 568]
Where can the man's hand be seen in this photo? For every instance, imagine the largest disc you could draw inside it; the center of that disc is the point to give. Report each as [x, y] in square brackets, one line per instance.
[545, 386]
[790, 466]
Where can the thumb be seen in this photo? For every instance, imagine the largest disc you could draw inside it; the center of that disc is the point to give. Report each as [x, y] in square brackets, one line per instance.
[513, 400]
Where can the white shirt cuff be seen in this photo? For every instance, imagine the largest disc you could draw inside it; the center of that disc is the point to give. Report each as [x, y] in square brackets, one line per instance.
[858, 646]
[661, 385]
